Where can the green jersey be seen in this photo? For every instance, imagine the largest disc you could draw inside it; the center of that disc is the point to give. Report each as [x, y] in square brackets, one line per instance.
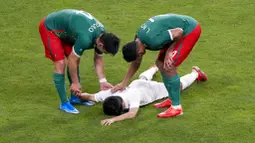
[76, 27]
[154, 32]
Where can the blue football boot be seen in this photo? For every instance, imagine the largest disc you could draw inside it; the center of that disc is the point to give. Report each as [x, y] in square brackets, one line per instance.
[76, 100]
[68, 107]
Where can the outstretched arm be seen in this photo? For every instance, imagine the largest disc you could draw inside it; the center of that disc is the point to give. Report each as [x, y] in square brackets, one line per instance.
[87, 96]
[132, 69]
[129, 115]
[134, 66]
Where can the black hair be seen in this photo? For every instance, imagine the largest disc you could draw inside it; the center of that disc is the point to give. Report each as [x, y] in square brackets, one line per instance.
[111, 42]
[129, 51]
[113, 105]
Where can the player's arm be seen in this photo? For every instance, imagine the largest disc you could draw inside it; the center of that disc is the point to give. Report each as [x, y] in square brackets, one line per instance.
[99, 65]
[87, 96]
[175, 35]
[73, 61]
[99, 69]
[129, 115]
[134, 66]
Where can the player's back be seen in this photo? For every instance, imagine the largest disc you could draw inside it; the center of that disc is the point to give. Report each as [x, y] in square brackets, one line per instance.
[148, 91]
[70, 23]
[154, 32]
[164, 22]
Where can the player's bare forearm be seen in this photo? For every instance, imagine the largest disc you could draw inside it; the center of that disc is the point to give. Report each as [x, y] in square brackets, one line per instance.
[134, 66]
[99, 66]
[124, 117]
[129, 115]
[87, 96]
[171, 47]
[72, 66]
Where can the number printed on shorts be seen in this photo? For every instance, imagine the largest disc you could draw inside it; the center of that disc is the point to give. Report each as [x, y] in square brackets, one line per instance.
[88, 15]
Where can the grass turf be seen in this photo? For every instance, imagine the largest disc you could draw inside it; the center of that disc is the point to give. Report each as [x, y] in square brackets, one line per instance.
[219, 110]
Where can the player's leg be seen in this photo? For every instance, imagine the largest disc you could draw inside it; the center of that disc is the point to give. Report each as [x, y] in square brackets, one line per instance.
[195, 75]
[172, 83]
[186, 81]
[171, 78]
[148, 74]
[55, 52]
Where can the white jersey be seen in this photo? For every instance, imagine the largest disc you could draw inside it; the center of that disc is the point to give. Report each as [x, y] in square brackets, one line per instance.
[138, 93]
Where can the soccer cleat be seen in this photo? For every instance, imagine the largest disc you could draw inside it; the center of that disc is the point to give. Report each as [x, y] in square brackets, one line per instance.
[163, 104]
[68, 107]
[201, 75]
[76, 100]
[171, 112]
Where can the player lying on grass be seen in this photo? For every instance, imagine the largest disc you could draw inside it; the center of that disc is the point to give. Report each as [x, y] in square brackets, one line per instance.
[174, 36]
[140, 92]
[67, 34]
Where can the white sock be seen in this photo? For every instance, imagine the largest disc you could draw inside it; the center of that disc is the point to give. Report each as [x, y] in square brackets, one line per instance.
[188, 79]
[148, 74]
[177, 106]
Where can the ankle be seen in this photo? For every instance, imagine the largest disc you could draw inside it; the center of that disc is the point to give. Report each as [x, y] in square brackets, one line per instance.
[177, 106]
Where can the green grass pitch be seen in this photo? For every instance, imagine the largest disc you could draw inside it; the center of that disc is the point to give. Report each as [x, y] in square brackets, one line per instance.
[219, 110]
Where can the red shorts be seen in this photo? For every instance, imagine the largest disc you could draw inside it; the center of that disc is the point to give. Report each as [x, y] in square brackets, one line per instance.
[183, 47]
[55, 49]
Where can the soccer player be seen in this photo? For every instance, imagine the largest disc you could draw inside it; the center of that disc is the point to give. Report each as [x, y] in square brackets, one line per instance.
[67, 34]
[140, 92]
[174, 36]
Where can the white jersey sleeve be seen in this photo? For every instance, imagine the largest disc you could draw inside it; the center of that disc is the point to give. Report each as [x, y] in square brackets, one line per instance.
[134, 99]
[102, 95]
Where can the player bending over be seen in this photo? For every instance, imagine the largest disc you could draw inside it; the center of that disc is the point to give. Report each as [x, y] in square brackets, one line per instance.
[66, 34]
[140, 92]
[174, 36]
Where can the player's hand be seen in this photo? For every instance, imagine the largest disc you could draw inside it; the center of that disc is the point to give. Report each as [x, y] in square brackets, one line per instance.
[76, 89]
[168, 64]
[107, 122]
[119, 87]
[105, 86]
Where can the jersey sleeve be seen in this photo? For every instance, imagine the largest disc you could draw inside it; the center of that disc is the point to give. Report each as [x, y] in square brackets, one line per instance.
[81, 44]
[102, 95]
[134, 99]
[162, 38]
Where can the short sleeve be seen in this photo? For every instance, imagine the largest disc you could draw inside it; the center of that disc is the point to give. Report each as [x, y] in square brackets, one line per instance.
[161, 39]
[134, 99]
[81, 44]
[102, 95]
